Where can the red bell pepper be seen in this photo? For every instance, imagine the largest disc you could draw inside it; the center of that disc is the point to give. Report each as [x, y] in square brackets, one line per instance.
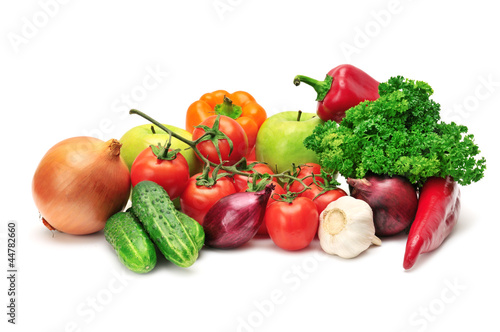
[437, 214]
[345, 86]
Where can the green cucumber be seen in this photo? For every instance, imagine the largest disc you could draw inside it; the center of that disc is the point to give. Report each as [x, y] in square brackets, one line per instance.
[152, 205]
[131, 242]
[195, 229]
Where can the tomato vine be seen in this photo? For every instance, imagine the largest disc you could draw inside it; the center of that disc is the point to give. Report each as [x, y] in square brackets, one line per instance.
[287, 176]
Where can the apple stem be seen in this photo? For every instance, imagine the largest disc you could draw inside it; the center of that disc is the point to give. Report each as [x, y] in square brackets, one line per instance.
[153, 129]
[299, 115]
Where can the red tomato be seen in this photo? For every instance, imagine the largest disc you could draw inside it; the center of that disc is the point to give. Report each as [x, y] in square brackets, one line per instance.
[197, 200]
[306, 170]
[324, 199]
[278, 190]
[233, 130]
[172, 175]
[241, 181]
[292, 226]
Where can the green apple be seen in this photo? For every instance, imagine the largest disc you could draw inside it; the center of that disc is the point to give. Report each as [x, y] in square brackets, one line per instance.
[280, 140]
[138, 138]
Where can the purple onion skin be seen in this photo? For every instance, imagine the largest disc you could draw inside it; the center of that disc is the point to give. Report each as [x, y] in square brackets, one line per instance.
[235, 219]
[393, 201]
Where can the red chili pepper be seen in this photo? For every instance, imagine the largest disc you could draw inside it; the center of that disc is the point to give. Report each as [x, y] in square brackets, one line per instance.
[437, 214]
[345, 86]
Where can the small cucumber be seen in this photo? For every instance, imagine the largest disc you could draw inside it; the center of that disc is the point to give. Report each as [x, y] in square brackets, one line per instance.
[195, 229]
[131, 242]
[152, 205]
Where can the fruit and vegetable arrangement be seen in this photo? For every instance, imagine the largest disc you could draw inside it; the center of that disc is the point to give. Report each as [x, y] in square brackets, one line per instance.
[234, 174]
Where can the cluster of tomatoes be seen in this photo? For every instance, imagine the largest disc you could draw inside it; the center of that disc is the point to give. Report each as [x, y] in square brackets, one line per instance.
[290, 220]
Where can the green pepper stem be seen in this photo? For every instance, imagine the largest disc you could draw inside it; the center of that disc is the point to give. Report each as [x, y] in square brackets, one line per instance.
[227, 105]
[227, 108]
[321, 87]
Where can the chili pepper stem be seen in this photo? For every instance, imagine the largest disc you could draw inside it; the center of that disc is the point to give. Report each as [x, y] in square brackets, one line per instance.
[321, 87]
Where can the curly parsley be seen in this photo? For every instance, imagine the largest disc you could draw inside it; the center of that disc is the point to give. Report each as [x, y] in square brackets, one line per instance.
[398, 134]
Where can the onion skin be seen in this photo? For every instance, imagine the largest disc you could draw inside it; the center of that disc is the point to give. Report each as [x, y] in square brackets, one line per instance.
[235, 219]
[80, 183]
[393, 201]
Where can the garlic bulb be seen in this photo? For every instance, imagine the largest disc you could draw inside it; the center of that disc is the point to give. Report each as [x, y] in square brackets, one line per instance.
[346, 227]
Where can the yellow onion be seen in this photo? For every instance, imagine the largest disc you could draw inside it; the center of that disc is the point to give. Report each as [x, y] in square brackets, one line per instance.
[80, 183]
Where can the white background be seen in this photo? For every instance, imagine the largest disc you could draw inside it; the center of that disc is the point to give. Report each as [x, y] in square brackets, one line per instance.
[67, 69]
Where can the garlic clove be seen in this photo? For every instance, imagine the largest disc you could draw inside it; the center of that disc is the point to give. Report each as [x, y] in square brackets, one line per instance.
[376, 241]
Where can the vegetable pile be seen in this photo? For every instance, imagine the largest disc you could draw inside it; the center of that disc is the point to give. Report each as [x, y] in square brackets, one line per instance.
[399, 137]
[403, 167]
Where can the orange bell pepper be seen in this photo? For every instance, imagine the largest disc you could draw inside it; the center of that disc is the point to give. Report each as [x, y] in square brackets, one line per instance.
[240, 106]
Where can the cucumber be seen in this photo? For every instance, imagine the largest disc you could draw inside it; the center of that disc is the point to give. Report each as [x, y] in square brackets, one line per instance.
[152, 205]
[194, 228]
[131, 242]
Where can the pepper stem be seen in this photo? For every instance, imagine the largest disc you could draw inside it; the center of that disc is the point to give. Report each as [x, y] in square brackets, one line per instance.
[321, 87]
[227, 108]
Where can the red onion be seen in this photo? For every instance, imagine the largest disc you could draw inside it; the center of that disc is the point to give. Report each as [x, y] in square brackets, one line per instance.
[392, 199]
[236, 218]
